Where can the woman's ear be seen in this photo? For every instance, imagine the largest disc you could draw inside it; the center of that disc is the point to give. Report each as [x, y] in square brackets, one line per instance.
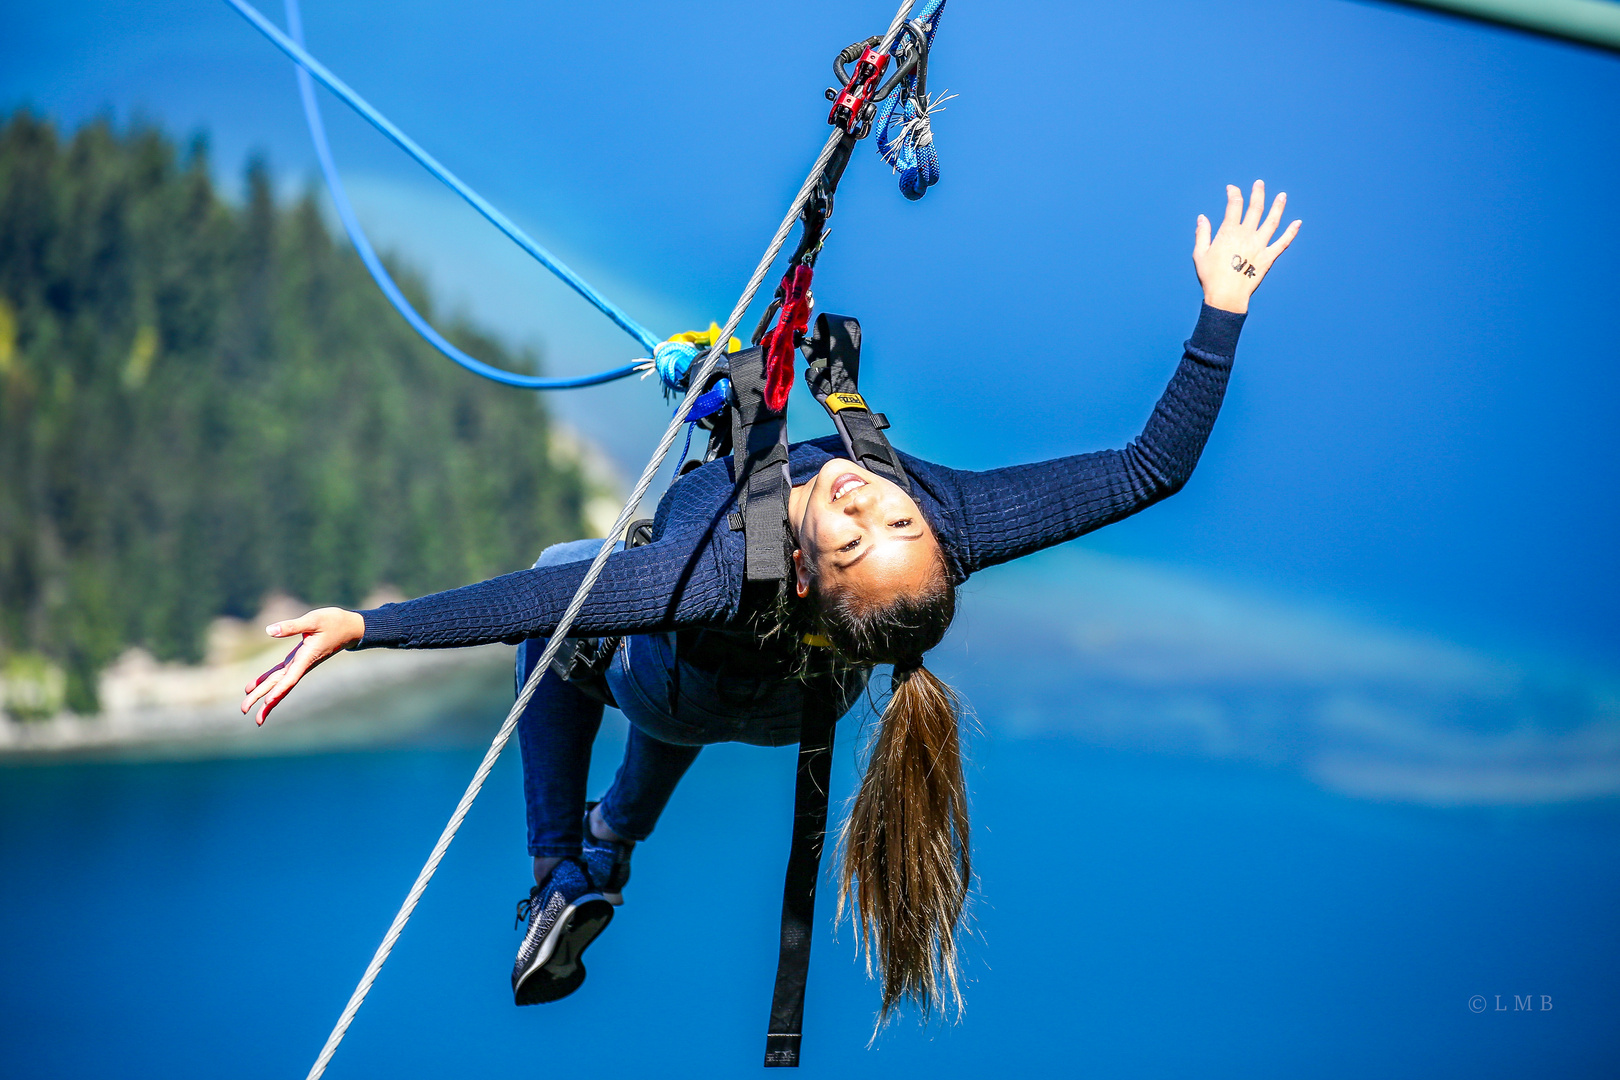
[801, 576]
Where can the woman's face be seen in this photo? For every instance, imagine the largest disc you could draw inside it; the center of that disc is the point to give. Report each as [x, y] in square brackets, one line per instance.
[861, 531]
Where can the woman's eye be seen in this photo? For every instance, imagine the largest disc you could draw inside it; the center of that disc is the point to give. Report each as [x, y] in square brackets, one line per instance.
[852, 545]
[901, 524]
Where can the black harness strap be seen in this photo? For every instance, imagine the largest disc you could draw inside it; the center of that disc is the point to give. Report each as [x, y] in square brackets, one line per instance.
[584, 661]
[833, 377]
[760, 459]
[816, 731]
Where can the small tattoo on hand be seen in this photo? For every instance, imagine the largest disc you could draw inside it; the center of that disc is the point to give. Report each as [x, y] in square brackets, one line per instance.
[1243, 266]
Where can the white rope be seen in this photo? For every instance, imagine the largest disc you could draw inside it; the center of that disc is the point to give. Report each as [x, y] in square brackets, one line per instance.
[578, 602]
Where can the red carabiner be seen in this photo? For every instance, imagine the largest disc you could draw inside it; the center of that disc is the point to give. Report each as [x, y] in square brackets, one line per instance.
[857, 93]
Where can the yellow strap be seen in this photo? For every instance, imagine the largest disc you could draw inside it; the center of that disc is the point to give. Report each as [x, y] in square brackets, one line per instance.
[840, 402]
[817, 641]
[706, 338]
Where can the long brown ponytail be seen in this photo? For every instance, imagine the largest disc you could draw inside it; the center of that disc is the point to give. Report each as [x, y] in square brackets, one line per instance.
[906, 864]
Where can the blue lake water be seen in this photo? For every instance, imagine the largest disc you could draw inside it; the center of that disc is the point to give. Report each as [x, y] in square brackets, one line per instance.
[1139, 915]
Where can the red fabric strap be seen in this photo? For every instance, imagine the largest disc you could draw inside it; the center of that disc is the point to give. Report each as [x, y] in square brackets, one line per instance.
[779, 342]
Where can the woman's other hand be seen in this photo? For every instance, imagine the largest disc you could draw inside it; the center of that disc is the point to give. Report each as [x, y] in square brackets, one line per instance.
[324, 632]
[1234, 263]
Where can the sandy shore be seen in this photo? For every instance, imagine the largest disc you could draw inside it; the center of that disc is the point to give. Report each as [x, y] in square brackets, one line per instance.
[364, 698]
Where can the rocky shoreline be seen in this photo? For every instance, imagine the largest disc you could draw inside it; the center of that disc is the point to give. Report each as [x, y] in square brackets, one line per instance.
[156, 710]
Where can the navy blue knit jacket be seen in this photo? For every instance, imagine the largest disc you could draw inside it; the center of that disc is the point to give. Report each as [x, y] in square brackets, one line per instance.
[692, 572]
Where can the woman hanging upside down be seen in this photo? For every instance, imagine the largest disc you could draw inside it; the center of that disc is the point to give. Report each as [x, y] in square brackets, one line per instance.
[875, 574]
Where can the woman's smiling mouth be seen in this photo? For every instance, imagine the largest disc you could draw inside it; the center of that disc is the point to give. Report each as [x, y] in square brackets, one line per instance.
[846, 484]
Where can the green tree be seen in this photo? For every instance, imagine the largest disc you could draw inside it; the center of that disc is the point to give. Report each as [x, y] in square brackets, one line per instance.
[202, 403]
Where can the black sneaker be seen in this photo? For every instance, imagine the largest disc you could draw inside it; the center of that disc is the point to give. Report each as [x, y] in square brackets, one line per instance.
[607, 861]
[564, 915]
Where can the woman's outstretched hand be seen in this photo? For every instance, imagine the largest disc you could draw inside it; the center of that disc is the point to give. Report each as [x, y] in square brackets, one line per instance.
[1234, 263]
[324, 631]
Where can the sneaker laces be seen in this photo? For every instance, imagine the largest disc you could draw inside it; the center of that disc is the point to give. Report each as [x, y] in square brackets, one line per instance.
[524, 907]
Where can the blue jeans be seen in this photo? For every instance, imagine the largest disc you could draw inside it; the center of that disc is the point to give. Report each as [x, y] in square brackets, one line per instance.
[674, 710]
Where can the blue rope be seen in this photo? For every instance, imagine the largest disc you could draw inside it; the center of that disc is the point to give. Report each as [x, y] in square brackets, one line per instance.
[708, 404]
[686, 448]
[673, 362]
[379, 274]
[712, 402]
[314, 67]
[896, 136]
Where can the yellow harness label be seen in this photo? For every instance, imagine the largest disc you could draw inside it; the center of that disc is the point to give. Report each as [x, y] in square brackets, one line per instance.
[840, 402]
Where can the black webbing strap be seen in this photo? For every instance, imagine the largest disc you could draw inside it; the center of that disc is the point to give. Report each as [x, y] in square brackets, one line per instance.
[834, 377]
[760, 456]
[817, 724]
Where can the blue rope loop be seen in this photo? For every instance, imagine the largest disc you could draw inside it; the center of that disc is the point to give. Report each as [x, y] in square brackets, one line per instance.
[305, 66]
[903, 141]
[672, 360]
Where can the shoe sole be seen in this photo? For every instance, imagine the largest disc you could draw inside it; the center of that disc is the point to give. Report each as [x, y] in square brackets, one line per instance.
[558, 968]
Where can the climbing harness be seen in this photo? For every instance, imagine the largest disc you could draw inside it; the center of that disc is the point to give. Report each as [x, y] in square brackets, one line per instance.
[832, 377]
[754, 448]
[757, 437]
[753, 428]
[754, 432]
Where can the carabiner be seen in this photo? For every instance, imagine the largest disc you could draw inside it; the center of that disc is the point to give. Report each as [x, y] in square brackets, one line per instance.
[850, 54]
[852, 108]
[856, 105]
[918, 54]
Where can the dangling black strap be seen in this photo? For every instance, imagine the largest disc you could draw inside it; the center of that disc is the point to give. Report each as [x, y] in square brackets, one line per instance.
[760, 459]
[804, 867]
